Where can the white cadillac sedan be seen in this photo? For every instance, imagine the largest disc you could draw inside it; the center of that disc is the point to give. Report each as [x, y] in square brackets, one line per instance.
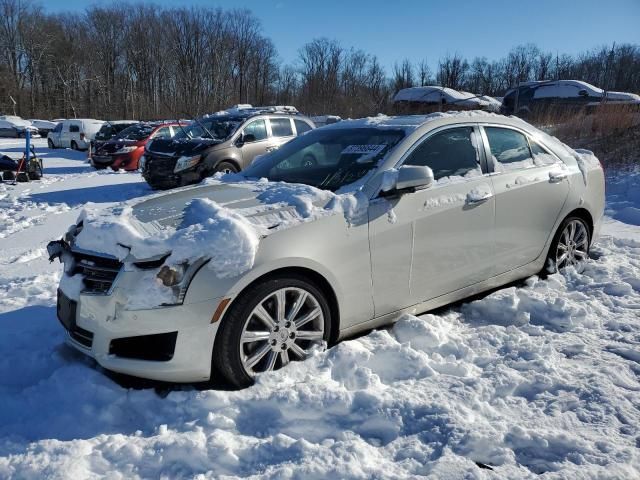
[341, 230]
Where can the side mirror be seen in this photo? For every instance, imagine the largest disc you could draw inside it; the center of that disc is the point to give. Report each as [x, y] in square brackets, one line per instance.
[410, 178]
[583, 93]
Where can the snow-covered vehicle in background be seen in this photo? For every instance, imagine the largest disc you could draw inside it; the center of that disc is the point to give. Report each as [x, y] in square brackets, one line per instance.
[251, 271]
[76, 134]
[15, 127]
[530, 97]
[417, 99]
[43, 126]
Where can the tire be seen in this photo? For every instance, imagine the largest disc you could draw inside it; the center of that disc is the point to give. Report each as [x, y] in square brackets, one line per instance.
[575, 245]
[226, 167]
[50, 144]
[280, 342]
[74, 145]
[8, 175]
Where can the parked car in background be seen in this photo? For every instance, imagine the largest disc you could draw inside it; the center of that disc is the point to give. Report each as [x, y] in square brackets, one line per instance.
[227, 142]
[126, 148]
[530, 97]
[265, 269]
[109, 130]
[43, 126]
[15, 127]
[76, 134]
[322, 120]
[416, 99]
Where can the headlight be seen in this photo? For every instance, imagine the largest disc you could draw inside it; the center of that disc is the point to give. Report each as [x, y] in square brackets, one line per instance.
[142, 162]
[178, 277]
[125, 150]
[186, 162]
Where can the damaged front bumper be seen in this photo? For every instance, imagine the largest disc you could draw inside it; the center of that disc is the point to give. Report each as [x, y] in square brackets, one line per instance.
[167, 343]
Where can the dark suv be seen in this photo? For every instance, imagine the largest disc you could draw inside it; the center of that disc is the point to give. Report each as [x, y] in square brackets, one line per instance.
[226, 141]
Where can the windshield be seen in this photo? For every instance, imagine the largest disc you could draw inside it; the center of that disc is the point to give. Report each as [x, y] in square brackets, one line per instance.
[327, 158]
[140, 131]
[109, 130]
[221, 128]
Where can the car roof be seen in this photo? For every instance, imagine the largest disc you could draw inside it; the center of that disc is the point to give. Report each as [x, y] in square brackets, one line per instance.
[410, 123]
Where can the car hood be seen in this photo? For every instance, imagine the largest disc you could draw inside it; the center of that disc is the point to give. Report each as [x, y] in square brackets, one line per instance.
[251, 200]
[180, 147]
[112, 146]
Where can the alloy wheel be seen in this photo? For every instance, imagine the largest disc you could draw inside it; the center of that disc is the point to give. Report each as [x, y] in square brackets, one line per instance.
[282, 327]
[573, 245]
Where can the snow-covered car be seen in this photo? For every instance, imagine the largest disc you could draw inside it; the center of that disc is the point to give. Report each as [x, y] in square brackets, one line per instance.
[43, 126]
[76, 134]
[249, 271]
[529, 96]
[15, 127]
[416, 97]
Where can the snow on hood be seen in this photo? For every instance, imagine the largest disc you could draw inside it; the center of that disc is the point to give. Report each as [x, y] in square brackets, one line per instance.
[220, 220]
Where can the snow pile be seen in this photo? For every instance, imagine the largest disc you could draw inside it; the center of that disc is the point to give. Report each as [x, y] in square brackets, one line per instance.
[207, 230]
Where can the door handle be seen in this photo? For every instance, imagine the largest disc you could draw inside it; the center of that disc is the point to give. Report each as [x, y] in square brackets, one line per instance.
[472, 200]
[555, 177]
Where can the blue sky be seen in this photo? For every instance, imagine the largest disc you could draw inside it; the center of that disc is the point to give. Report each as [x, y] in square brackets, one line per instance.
[428, 29]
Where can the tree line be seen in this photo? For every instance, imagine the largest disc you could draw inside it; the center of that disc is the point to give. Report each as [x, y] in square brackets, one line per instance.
[145, 61]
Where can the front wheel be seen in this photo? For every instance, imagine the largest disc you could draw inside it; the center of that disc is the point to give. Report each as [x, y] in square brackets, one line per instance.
[50, 144]
[274, 322]
[570, 247]
[226, 167]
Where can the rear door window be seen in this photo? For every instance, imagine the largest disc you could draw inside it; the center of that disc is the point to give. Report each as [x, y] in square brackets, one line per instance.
[450, 153]
[74, 128]
[281, 127]
[509, 149]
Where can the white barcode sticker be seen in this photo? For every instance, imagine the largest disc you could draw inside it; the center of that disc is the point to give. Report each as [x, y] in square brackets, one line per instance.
[362, 150]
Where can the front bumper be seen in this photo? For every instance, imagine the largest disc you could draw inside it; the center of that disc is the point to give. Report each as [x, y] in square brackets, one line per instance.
[100, 322]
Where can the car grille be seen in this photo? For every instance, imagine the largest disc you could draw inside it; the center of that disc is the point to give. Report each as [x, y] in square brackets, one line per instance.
[159, 165]
[98, 273]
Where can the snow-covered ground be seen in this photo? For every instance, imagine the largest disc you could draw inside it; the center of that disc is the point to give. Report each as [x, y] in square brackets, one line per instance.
[541, 377]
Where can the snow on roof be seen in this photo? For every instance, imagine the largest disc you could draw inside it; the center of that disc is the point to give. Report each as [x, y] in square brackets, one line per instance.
[435, 94]
[409, 123]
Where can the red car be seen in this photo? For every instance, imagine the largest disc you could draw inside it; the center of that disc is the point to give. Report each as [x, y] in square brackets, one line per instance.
[124, 151]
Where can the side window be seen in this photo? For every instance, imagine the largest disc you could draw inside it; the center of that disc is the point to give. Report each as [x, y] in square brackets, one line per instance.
[281, 127]
[74, 128]
[301, 126]
[163, 132]
[450, 153]
[540, 155]
[257, 128]
[509, 149]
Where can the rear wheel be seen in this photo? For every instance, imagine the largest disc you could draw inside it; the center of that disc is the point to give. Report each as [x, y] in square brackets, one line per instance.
[74, 145]
[570, 247]
[273, 323]
[226, 167]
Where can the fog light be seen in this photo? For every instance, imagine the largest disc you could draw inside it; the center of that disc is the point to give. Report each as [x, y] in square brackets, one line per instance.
[171, 276]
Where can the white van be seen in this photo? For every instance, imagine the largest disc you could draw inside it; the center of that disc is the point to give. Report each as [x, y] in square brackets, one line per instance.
[76, 134]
